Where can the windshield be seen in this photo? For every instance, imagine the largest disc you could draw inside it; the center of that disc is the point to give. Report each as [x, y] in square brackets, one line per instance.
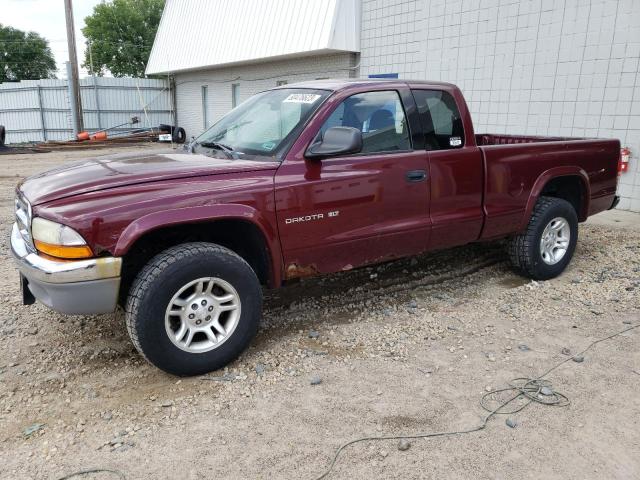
[263, 125]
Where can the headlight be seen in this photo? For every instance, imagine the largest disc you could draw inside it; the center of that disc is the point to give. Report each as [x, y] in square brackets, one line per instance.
[58, 240]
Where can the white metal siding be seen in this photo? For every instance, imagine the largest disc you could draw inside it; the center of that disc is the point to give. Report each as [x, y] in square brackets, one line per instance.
[566, 67]
[251, 80]
[204, 33]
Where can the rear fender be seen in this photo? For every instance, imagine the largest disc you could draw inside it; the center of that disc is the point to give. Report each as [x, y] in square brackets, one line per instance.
[209, 213]
[546, 177]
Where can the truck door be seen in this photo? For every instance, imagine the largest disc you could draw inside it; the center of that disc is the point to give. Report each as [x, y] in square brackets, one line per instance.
[341, 212]
[455, 169]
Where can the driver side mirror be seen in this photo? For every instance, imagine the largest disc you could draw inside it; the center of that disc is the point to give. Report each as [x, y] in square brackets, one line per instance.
[336, 141]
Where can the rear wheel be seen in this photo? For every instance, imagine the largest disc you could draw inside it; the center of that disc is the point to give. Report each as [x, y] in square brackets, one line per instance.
[545, 249]
[193, 308]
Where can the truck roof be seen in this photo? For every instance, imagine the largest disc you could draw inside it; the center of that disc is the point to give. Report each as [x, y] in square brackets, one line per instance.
[349, 83]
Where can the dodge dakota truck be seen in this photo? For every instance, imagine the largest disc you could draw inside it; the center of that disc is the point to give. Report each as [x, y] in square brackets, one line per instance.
[300, 180]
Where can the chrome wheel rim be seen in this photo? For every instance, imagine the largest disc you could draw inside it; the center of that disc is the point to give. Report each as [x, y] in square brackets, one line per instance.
[555, 240]
[202, 315]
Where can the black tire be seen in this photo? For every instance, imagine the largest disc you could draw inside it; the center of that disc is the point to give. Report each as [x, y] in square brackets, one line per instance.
[524, 249]
[3, 133]
[178, 135]
[156, 284]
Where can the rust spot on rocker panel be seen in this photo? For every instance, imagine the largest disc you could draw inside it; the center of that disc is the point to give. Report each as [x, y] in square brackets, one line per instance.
[298, 271]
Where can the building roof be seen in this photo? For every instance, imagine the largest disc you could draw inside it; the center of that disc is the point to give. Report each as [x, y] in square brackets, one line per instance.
[196, 34]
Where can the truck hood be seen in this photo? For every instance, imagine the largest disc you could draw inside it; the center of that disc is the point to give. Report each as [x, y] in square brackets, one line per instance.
[119, 170]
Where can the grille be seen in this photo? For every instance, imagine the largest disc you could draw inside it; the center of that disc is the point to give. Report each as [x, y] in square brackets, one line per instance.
[23, 219]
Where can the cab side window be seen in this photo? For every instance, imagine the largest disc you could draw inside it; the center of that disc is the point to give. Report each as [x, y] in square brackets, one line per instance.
[440, 119]
[379, 116]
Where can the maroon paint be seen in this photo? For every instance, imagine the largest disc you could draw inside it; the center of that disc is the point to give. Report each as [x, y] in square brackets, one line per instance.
[111, 220]
[516, 174]
[381, 215]
[456, 178]
[125, 169]
[480, 191]
[456, 196]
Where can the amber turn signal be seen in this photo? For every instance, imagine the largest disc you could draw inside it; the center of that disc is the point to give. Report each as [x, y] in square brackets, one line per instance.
[64, 251]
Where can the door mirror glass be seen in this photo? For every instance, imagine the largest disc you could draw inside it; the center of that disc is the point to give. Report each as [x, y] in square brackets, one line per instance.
[336, 141]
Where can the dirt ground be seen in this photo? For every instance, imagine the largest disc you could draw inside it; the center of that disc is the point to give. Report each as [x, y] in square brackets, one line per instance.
[406, 347]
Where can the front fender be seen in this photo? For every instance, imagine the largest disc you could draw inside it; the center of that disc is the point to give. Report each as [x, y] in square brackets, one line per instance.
[548, 175]
[208, 213]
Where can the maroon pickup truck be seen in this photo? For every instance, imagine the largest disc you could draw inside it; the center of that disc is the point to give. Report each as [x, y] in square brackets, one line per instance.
[299, 180]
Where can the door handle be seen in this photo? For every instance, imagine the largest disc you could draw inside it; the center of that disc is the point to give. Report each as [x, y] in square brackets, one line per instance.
[416, 175]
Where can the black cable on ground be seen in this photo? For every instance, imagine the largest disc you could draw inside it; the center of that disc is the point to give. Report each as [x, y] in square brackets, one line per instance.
[527, 390]
[89, 471]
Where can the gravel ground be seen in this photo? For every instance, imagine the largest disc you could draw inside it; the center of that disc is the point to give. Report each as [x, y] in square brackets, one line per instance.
[406, 347]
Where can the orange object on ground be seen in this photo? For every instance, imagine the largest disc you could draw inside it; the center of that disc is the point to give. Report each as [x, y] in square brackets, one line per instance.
[99, 136]
[83, 136]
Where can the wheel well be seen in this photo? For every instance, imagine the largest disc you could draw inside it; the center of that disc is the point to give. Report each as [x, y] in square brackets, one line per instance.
[240, 236]
[569, 188]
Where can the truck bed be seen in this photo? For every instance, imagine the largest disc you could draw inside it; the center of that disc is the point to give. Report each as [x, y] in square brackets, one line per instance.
[517, 168]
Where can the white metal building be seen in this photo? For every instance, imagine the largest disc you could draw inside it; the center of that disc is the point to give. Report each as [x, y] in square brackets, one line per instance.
[548, 67]
[220, 52]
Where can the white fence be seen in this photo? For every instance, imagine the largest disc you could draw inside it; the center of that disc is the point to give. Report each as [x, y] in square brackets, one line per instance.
[38, 110]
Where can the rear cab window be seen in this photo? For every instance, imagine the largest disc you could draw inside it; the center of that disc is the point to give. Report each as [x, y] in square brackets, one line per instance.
[379, 115]
[440, 119]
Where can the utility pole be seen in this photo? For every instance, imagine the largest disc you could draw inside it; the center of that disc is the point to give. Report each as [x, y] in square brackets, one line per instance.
[74, 82]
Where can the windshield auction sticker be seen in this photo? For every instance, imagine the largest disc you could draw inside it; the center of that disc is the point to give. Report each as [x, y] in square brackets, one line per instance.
[301, 98]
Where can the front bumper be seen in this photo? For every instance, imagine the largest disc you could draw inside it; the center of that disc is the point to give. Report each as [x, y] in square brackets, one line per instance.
[81, 287]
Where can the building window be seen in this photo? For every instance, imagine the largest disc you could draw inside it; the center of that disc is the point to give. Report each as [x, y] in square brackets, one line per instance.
[235, 95]
[205, 106]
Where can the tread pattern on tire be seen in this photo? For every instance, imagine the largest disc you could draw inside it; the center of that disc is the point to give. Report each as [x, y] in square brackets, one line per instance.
[519, 245]
[153, 269]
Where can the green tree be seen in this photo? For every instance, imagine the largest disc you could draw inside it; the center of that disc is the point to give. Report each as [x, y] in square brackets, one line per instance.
[24, 56]
[119, 36]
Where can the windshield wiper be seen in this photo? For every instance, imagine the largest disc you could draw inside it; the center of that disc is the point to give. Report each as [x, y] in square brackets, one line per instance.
[228, 151]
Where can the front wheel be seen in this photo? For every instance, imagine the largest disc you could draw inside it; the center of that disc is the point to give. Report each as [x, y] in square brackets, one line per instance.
[545, 249]
[193, 308]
